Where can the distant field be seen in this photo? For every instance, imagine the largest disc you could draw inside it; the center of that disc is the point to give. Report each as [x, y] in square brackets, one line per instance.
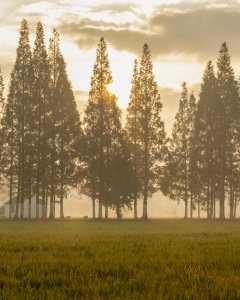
[170, 259]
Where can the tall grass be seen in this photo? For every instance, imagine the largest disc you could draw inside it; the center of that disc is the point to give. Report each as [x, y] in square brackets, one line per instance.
[119, 260]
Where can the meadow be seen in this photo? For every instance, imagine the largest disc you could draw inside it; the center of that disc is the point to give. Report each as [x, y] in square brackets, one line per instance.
[84, 259]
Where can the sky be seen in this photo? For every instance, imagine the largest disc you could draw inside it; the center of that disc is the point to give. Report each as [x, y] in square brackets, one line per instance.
[183, 36]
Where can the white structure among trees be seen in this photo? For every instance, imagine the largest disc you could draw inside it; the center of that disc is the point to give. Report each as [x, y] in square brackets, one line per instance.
[26, 212]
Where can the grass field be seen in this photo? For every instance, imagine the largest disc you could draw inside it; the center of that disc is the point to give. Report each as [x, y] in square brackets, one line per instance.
[169, 259]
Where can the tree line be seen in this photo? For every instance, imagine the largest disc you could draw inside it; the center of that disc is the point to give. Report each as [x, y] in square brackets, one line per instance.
[47, 149]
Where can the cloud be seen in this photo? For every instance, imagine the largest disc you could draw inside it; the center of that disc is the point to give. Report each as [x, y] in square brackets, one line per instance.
[199, 32]
[88, 36]
[190, 28]
[196, 32]
[114, 8]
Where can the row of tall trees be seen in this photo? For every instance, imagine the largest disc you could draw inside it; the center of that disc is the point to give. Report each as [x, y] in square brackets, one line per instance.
[203, 165]
[47, 150]
[123, 165]
[40, 127]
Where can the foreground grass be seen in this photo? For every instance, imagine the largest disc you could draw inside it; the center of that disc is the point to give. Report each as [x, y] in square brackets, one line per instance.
[171, 259]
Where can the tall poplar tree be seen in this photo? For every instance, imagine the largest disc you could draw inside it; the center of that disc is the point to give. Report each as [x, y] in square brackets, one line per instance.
[16, 121]
[179, 166]
[96, 126]
[207, 139]
[104, 139]
[10, 149]
[41, 98]
[192, 109]
[54, 57]
[229, 95]
[69, 134]
[151, 132]
[22, 97]
[132, 130]
[41, 127]
[64, 128]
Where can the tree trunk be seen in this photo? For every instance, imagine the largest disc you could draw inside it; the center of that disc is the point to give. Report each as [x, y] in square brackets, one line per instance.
[11, 183]
[54, 206]
[214, 207]
[53, 171]
[62, 171]
[211, 201]
[46, 206]
[186, 209]
[146, 170]
[30, 201]
[235, 205]
[43, 201]
[43, 166]
[191, 206]
[16, 215]
[10, 197]
[135, 208]
[199, 210]
[22, 194]
[208, 201]
[221, 200]
[11, 162]
[17, 205]
[29, 207]
[51, 212]
[145, 193]
[61, 202]
[93, 208]
[52, 188]
[231, 203]
[11, 188]
[106, 212]
[222, 181]
[145, 210]
[118, 212]
[37, 204]
[99, 210]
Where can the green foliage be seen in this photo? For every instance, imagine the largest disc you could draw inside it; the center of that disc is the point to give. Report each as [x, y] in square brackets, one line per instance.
[216, 138]
[17, 118]
[132, 131]
[145, 125]
[105, 143]
[40, 121]
[45, 152]
[207, 138]
[229, 161]
[40, 125]
[2, 99]
[179, 168]
[65, 129]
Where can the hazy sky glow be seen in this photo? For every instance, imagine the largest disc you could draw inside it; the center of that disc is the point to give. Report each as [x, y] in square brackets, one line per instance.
[183, 36]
